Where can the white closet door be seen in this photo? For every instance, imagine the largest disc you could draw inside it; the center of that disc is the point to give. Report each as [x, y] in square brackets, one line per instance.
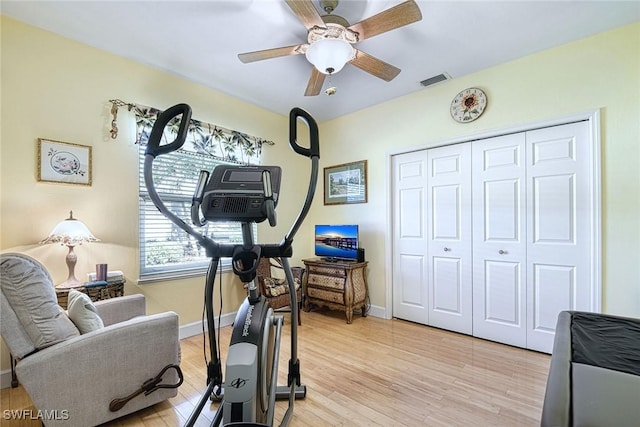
[559, 228]
[449, 237]
[499, 244]
[410, 237]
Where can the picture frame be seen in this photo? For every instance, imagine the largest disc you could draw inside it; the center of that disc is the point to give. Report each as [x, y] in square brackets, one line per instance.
[345, 183]
[63, 162]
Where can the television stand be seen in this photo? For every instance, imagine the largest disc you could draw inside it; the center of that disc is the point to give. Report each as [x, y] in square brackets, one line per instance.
[336, 284]
[336, 259]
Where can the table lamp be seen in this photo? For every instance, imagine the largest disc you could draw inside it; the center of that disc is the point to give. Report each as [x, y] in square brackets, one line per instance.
[70, 232]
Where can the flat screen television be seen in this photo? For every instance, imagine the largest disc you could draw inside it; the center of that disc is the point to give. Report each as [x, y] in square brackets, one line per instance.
[336, 242]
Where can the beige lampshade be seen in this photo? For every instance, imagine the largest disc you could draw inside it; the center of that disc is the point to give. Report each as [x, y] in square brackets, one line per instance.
[70, 232]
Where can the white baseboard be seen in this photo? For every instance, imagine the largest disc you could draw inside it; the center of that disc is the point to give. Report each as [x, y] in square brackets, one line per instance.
[195, 328]
[377, 311]
[5, 378]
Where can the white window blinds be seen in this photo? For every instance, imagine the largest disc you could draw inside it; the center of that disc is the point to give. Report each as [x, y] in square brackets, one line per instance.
[166, 251]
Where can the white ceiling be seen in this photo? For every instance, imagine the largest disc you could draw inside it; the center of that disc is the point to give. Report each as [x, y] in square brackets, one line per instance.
[200, 41]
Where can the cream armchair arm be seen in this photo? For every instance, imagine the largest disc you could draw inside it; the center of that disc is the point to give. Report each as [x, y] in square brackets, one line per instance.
[72, 382]
[116, 310]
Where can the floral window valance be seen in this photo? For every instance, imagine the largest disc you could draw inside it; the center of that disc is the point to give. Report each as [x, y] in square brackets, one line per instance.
[203, 138]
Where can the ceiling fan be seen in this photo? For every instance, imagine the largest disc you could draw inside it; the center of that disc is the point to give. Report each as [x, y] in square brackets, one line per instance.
[330, 39]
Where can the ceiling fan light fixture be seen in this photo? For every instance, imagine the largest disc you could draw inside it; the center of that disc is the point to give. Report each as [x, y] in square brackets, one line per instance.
[330, 55]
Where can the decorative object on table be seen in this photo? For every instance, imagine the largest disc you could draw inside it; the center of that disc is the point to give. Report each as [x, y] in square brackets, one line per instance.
[468, 105]
[64, 162]
[101, 272]
[346, 183]
[95, 284]
[70, 232]
[113, 276]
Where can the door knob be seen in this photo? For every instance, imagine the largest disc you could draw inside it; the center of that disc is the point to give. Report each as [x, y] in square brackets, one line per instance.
[501, 252]
[447, 249]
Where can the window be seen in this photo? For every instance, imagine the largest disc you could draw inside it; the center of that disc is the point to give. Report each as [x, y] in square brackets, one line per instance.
[166, 251]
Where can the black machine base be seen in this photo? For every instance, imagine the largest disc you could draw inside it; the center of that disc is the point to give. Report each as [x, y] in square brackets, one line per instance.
[282, 393]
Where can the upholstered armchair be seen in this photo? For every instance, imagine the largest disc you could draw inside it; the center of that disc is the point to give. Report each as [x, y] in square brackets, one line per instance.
[73, 376]
[276, 290]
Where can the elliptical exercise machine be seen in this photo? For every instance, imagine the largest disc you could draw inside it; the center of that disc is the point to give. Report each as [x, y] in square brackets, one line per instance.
[246, 194]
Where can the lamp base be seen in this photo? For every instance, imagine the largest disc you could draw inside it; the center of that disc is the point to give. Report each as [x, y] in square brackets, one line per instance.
[70, 283]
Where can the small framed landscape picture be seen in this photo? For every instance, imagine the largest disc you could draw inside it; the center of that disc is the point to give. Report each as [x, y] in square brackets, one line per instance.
[346, 183]
[63, 162]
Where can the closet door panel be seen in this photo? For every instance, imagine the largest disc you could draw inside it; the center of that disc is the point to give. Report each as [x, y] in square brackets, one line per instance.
[449, 238]
[410, 237]
[499, 244]
[501, 204]
[553, 290]
[559, 243]
[502, 293]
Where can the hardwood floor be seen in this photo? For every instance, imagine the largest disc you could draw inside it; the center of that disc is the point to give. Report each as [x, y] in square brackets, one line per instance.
[374, 372]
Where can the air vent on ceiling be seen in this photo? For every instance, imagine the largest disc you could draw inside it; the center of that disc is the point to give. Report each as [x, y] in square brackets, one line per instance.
[435, 79]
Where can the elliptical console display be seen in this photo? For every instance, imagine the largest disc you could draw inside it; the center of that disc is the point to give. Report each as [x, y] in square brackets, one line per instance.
[238, 193]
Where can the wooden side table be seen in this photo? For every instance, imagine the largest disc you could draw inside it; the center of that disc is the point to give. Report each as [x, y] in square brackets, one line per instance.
[340, 285]
[111, 290]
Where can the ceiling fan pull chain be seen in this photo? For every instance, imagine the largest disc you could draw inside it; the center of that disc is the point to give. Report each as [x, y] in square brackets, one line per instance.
[330, 90]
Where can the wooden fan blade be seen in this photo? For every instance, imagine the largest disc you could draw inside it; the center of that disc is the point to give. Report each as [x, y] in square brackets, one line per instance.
[306, 12]
[260, 55]
[375, 66]
[398, 16]
[315, 83]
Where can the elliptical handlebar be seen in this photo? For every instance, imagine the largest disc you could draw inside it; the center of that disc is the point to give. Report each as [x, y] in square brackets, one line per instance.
[313, 152]
[213, 248]
[164, 118]
[153, 147]
[314, 144]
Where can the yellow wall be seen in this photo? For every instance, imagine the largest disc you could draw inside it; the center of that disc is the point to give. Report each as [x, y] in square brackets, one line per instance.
[600, 72]
[58, 89]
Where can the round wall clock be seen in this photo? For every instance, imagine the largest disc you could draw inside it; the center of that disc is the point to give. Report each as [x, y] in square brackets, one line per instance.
[468, 105]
